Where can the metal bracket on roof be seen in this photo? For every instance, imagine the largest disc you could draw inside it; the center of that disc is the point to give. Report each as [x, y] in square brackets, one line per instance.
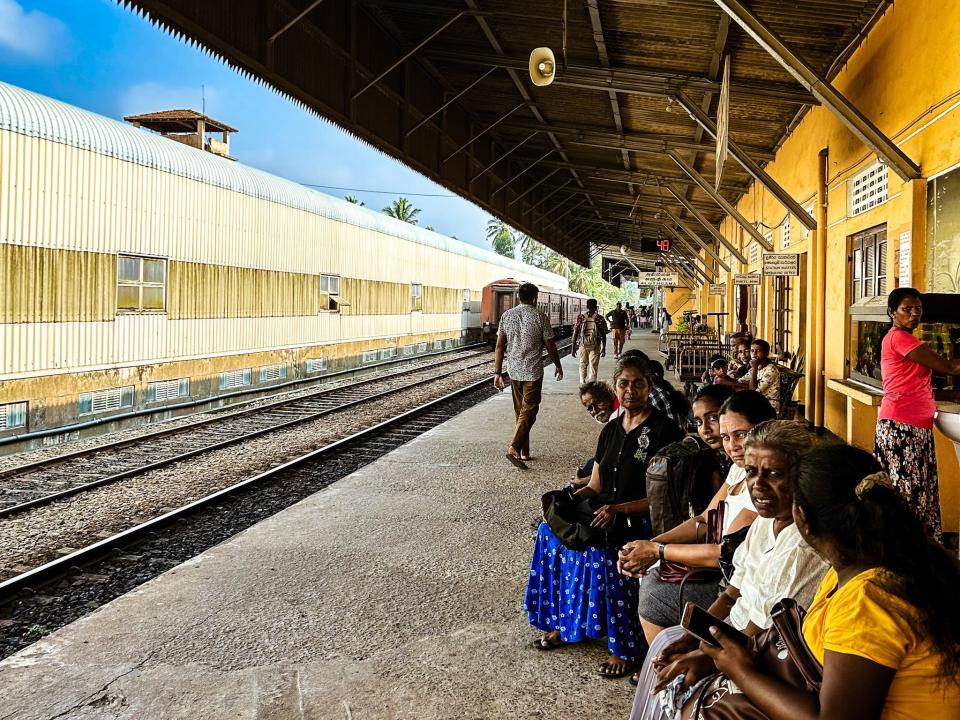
[509, 152]
[720, 200]
[483, 132]
[846, 111]
[704, 222]
[273, 38]
[408, 54]
[748, 164]
[452, 100]
[549, 152]
[700, 243]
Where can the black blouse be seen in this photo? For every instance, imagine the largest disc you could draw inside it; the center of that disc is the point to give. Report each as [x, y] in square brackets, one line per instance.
[624, 456]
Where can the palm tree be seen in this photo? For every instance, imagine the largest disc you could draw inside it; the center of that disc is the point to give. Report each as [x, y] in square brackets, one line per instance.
[402, 209]
[354, 200]
[501, 237]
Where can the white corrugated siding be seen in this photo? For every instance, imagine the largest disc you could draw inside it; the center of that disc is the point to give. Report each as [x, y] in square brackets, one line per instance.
[120, 188]
[74, 180]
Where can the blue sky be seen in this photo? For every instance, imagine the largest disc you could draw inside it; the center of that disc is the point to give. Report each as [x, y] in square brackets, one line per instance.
[102, 57]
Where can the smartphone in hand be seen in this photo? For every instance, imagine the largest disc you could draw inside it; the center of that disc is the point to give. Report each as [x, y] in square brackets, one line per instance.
[698, 622]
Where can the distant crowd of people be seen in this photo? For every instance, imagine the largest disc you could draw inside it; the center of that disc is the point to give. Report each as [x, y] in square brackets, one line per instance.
[817, 566]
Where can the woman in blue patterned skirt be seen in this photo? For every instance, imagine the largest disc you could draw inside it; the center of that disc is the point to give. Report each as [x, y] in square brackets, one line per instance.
[578, 594]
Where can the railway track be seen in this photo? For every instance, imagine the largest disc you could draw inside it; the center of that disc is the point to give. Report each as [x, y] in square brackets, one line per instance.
[44, 481]
[61, 590]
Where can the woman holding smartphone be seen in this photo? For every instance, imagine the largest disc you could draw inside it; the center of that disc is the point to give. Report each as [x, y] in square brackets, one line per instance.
[885, 623]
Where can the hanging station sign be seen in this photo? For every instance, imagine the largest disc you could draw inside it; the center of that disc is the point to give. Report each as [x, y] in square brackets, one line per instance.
[720, 289]
[781, 264]
[657, 279]
[746, 279]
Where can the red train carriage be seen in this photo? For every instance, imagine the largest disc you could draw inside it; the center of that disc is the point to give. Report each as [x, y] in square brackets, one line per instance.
[561, 306]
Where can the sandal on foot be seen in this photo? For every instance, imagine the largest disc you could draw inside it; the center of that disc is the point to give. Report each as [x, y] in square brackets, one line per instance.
[541, 643]
[605, 671]
[515, 459]
[635, 679]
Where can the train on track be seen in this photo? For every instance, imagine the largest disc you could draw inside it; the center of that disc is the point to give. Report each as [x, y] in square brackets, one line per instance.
[560, 306]
[141, 272]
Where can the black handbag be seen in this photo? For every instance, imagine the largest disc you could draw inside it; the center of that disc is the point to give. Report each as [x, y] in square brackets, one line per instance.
[569, 518]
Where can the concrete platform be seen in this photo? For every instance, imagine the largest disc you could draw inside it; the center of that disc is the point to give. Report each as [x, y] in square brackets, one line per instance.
[395, 593]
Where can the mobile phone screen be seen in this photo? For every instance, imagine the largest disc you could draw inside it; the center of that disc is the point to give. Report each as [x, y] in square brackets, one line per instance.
[698, 622]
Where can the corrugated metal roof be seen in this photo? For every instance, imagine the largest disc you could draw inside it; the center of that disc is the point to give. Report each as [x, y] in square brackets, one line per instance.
[29, 113]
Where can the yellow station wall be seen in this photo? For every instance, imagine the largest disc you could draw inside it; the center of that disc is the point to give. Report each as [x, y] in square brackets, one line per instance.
[904, 78]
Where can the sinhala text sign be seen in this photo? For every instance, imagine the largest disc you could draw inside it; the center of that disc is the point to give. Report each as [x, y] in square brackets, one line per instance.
[746, 279]
[657, 279]
[781, 264]
[720, 289]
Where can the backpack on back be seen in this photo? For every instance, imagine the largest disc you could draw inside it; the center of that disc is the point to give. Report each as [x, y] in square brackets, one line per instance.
[677, 483]
[588, 333]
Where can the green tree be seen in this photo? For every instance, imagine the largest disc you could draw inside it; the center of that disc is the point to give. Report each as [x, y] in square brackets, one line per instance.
[402, 209]
[532, 252]
[501, 238]
[354, 200]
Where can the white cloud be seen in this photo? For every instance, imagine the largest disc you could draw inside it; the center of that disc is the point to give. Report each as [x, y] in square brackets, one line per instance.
[32, 34]
[148, 97]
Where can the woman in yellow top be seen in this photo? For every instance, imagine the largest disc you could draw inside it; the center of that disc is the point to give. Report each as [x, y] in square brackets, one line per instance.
[885, 622]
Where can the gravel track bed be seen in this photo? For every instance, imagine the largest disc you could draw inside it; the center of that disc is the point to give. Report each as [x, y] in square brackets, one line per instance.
[40, 535]
[32, 617]
[149, 428]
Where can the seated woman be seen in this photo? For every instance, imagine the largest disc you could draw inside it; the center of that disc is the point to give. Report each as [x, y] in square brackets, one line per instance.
[598, 400]
[773, 562]
[660, 602]
[577, 594]
[885, 623]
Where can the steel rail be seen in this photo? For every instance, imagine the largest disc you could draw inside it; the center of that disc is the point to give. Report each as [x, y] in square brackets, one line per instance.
[54, 568]
[231, 412]
[139, 470]
[42, 574]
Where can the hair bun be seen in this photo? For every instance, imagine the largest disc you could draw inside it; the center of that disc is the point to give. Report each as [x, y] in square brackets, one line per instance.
[870, 482]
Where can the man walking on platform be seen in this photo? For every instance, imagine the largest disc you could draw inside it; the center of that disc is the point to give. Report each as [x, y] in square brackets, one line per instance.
[618, 325]
[590, 336]
[523, 334]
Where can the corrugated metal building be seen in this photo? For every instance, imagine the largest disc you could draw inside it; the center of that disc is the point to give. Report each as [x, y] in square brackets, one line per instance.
[138, 270]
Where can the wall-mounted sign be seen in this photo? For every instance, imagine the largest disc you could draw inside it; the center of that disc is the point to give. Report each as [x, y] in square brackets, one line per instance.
[746, 279]
[720, 289]
[657, 279]
[781, 264]
[904, 259]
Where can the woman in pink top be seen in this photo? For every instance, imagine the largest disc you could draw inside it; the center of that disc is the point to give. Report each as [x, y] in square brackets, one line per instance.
[904, 439]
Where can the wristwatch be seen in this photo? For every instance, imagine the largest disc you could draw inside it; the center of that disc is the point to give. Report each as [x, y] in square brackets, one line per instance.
[663, 547]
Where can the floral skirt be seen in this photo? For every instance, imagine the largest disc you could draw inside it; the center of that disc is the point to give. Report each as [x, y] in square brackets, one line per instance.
[580, 594]
[907, 454]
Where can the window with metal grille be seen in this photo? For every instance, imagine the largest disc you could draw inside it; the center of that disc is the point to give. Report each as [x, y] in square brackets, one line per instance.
[329, 293]
[448, 344]
[388, 353]
[867, 189]
[781, 314]
[236, 378]
[168, 390]
[416, 297]
[273, 372]
[409, 350]
[868, 259]
[316, 365]
[785, 234]
[99, 401]
[421, 347]
[368, 356]
[141, 284]
[438, 344]
[13, 415]
[806, 230]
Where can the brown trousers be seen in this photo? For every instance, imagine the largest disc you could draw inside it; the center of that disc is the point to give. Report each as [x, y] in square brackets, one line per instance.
[526, 404]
